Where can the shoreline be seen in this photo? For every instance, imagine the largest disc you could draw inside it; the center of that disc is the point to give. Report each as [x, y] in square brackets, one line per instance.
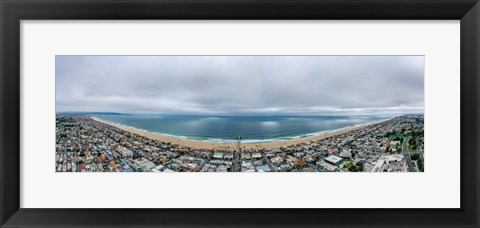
[230, 146]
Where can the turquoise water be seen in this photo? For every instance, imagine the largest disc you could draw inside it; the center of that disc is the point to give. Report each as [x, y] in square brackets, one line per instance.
[253, 129]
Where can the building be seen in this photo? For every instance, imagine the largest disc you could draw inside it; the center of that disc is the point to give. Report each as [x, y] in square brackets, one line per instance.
[345, 153]
[256, 155]
[263, 168]
[334, 160]
[394, 143]
[327, 166]
[144, 164]
[394, 158]
[228, 156]
[125, 152]
[218, 155]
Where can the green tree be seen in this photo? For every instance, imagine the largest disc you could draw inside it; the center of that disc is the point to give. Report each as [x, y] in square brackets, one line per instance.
[420, 165]
[415, 157]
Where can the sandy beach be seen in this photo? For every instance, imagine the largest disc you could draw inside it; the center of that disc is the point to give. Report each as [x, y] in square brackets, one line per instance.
[227, 146]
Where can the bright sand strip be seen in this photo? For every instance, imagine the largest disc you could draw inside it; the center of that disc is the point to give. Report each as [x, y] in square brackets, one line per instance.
[227, 146]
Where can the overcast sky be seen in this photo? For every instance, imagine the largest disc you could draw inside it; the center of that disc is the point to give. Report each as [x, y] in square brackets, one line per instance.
[313, 85]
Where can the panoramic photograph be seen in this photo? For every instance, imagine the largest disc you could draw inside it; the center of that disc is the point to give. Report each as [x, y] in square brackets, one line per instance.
[239, 114]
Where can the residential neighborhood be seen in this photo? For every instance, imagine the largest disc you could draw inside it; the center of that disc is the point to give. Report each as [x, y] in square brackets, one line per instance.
[86, 145]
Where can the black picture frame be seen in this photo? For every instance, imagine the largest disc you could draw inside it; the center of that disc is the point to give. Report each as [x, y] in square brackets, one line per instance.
[13, 11]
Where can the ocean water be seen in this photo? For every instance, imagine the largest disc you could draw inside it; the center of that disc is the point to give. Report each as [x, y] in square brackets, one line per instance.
[253, 129]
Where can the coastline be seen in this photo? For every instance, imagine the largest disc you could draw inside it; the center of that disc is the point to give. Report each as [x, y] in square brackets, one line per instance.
[230, 146]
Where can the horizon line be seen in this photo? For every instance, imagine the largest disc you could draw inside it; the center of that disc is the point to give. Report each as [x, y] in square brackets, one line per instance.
[238, 114]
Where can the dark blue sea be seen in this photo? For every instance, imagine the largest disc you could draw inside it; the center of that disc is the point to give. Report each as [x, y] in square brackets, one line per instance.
[253, 129]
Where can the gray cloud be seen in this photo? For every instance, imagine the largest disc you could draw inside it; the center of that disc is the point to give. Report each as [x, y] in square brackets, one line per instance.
[241, 84]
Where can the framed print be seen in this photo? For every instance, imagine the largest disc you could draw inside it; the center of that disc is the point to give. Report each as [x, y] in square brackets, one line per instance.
[239, 113]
